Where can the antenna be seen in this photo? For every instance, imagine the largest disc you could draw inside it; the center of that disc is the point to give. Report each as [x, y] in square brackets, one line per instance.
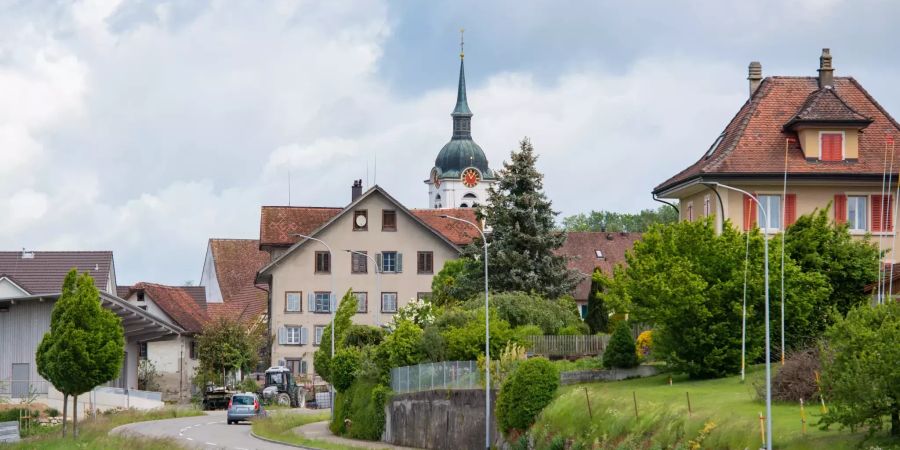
[375, 170]
[462, 43]
[289, 188]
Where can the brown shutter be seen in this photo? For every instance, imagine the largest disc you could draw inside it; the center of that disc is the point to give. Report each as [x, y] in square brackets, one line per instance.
[749, 213]
[840, 209]
[877, 205]
[790, 209]
[882, 213]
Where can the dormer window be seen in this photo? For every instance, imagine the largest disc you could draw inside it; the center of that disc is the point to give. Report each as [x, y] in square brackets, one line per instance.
[714, 146]
[831, 145]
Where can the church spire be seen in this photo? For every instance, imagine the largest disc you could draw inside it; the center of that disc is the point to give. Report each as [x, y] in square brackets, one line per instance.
[462, 115]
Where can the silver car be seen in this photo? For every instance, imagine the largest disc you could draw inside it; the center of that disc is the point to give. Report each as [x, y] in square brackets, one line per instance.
[244, 406]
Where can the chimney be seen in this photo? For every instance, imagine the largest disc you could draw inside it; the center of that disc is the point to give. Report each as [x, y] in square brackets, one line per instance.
[356, 190]
[826, 72]
[754, 74]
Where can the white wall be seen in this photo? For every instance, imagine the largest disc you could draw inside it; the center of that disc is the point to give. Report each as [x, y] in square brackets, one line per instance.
[209, 279]
[9, 289]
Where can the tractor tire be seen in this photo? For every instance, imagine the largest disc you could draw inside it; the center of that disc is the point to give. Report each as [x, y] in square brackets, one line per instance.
[283, 399]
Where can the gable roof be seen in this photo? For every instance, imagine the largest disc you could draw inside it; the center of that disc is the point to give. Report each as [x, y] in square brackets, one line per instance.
[754, 140]
[350, 207]
[178, 302]
[277, 224]
[12, 280]
[457, 232]
[45, 271]
[580, 249]
[236, 262]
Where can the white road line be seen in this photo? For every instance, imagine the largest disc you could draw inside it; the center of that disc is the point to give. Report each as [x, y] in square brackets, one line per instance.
[190, 439]
[210, 423]
[210, 443]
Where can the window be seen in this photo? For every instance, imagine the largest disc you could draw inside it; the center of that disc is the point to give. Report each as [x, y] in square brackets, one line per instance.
[294, 335]
[144, 307]
[882, 213]
[426, 262]
[317, 339]
[140, 296]
[359, 262]
[856, 212]
[831, 146]
[193, 350]
[323, 262]
[690, 211]
[296, 366]
[714, 146]
[292, 301]
[706, 206]
[142, 350]
[362, 302]
[437, 201]
[584, 310]
[599, 254]
[360, 220]
[772, 205]
[391, 262]
[388, 220]
[423, 296]
[320, 302]
[389, 302]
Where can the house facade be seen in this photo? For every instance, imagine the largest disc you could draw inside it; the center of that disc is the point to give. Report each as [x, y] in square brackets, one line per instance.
[398, 251]
[825, 135]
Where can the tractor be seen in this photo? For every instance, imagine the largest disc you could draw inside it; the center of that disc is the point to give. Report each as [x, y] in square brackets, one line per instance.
[281, 388]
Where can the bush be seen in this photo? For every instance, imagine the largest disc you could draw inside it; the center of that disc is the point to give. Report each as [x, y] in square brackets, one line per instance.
[404, 345]
[248, 385]
[467, 342]
[620, 352]
[644, 345]
[52, 412]
[575, 330]
[519, 308]
[344, 367]
[363, 335]
[363, 403]
[796, 379]
[525, 393]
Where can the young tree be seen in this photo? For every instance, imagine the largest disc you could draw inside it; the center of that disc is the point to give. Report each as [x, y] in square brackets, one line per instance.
[597, 314]
[524, 237]
[85, 345]
[446, 288]
[224, 345]
[860, 357]
[343, 319]
[620, 353]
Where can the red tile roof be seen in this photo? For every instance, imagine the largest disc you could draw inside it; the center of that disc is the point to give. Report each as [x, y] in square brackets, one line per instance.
[456, 232]
[754, 140]
[278, 223]
[581, 247]
[177, 302]
[45, 271]
[237, 261]
[824, 105]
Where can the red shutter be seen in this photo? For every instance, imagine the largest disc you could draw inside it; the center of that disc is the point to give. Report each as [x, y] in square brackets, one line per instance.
[882, 204]
[790, 209]
[840, 208]
[832, 146]
[749, 212]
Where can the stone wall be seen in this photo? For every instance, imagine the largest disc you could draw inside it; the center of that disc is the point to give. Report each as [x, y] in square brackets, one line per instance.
[588, 376]
[445, 419]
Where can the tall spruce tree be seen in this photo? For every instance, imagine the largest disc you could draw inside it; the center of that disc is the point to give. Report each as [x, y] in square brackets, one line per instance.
[597, 315]
[524, 237]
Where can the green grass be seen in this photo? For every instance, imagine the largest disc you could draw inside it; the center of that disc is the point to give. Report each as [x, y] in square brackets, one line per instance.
[94, 433]
[280, 426]
[729, 405]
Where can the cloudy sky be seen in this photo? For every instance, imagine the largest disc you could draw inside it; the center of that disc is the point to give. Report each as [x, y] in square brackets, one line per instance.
[147, 127]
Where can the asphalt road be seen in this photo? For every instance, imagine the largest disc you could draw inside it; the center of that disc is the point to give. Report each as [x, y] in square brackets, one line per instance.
[206, 432]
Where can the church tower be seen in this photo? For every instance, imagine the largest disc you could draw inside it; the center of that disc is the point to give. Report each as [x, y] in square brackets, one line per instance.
[460, 177]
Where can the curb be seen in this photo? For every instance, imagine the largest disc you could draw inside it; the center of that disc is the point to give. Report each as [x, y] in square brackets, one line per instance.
[254, 435]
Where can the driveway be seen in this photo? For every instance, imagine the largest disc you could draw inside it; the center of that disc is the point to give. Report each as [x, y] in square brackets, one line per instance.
[206, 432]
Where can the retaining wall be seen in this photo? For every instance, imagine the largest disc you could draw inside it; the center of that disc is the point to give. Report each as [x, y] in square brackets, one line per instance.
[587, 376]
[444, 419]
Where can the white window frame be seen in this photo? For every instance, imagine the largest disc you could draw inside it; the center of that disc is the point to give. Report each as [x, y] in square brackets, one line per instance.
[865, 213]
[384, 265]
[362, 298]
[318, 298]
[317, 334]
[759, 216]
[287, 301]
[396, 306]
[843, 143]
[292, 332]
[706, 206]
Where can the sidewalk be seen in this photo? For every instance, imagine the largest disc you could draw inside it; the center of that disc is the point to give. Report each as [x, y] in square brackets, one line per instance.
[320, 431]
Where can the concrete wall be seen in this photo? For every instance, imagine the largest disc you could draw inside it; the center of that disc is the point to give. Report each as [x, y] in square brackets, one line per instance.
[446, 419]
[586, 376]
[176, 368]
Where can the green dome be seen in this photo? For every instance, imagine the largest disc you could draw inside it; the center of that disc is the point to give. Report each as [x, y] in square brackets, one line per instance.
[460, 154]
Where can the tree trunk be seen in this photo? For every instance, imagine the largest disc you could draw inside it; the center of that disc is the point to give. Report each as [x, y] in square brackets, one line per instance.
[65, 409]
[75, 416]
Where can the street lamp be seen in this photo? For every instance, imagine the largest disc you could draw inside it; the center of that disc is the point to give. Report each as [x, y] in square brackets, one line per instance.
[377, 281]
[768, 344]
[331, 305]
[487, 337]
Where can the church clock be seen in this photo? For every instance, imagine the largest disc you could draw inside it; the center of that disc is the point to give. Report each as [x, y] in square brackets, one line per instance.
[435, 178]
[470, 177]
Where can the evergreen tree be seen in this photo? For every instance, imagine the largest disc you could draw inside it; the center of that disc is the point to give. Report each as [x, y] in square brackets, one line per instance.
[620, 352]
[597, 314]
[343, 320]
[524, 237]
[85, 345]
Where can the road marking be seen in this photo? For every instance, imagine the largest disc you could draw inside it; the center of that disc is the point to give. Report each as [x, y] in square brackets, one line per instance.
[210, 443]
[190, 439]
[210, 423]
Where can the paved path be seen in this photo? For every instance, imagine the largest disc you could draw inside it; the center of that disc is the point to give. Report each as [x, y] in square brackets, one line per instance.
[207, 432]
[320, 431]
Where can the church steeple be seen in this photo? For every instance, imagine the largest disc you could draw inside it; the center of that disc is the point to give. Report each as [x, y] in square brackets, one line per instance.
[462, 115]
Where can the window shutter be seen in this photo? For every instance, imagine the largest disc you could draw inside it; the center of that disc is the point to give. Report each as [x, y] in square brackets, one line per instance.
[380, 261]
[304, 335]
[882, 213]
[282, 335]
[840, 209]
[311, 302]
[303, 367]
[790, 209]
[749, 213]
[832, 144]
[332, 302]
[399, 262]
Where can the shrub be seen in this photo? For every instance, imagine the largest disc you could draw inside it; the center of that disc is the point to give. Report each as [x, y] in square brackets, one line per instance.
[796, 379]
[644, 345]
[362, 335]
[519, 308]
[344, 367]
[620, 352]
[525, 393]
[52, 412]
[574, 330]
[362, 403]
[467, 342]
[404, 345]
[248, 385]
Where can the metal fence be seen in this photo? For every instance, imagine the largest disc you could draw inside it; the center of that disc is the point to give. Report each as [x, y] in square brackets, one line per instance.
[442, 375]
[22, 388]
[584, 345]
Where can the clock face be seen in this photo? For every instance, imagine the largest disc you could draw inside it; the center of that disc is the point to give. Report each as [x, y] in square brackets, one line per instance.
[470, 177]
[435, 179]
[360, 221]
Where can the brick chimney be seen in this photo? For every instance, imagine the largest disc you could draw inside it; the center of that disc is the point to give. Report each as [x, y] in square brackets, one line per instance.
[826, 72]
[754, 74]
[356, 190]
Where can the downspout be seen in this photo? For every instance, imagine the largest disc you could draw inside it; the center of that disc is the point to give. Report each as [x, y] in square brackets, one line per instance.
[663, 201]
[181, 368]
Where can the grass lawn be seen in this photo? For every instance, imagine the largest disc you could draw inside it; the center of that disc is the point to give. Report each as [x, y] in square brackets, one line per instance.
[725, 408]
[280, 426]
[93, 433]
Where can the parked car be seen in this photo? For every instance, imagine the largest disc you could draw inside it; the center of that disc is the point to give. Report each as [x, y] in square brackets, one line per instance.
[244, 406]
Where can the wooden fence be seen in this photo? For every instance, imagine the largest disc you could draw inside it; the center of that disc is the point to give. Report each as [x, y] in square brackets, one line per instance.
[566, 346]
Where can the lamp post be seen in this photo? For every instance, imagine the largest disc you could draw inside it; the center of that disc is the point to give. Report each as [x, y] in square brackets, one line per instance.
[331, 305]
[487, 337]
[377, 280]
[768, 343]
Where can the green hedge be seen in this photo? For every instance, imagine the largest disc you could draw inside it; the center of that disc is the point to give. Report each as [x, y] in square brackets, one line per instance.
[525, 393]
[363, 403]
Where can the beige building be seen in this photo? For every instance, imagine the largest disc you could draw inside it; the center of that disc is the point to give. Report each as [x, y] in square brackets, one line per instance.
[409, 246]
[826, 134]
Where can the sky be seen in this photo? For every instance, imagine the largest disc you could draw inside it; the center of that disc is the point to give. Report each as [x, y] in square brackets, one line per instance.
[148, 127]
